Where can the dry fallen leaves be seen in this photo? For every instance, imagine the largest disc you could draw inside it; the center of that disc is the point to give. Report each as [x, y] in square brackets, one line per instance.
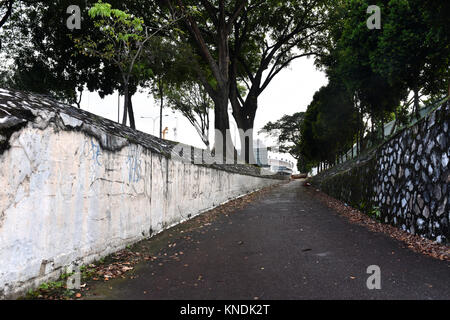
[124, 260]
[413, 242]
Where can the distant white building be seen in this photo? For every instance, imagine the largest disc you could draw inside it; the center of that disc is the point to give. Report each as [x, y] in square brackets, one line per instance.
[275, 162]
[281, 165]
[260, 153]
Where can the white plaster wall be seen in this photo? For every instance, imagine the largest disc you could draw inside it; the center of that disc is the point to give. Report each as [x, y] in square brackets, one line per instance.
[63, 199]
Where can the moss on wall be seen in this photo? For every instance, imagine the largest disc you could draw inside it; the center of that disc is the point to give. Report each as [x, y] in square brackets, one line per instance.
[403, 182]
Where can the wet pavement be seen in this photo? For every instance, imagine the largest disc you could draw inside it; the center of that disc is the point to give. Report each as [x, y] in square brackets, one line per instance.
[284, 245]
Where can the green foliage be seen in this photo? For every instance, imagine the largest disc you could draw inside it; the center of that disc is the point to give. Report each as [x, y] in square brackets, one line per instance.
[354, 53]
[287, 131]
[42, 57]
[413, 48]
[375, 213]
[379, 69]
[193, 102]
[51, 285]
[48, 287]
[87, 272]
[329, 125]
[65, 276]
[122, 38]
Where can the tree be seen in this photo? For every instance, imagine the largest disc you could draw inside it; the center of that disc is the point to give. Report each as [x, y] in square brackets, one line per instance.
[210, 25]
[267, 37]
[287, 132]
[123, 39]
[171, 67]
[414, 50]
[349, 60]
[6, 8]
[329, 127]
[174, 67]
[44, 56]
[240, 40]
[321, 134]
[308, 147]
[41, 54]
[378, 68]
[191, 99]
[438, 37]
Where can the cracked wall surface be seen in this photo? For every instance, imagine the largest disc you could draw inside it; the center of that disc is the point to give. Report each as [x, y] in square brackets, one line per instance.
[75, 188]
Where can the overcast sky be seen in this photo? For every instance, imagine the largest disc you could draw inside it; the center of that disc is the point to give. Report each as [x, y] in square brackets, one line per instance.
[291, 91]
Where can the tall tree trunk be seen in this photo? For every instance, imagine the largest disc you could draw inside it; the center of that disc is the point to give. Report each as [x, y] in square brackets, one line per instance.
[352, 146]
[361, 132]
[219, 64]
[78, 102]
[161, 109]
[245, 119]
[7, 14]
[358, 144]
[373, 128]
[223, 144]
[244, 111]
[394, 126]
[131, 113]
[416, 102]
[125, 106]
[246, 136]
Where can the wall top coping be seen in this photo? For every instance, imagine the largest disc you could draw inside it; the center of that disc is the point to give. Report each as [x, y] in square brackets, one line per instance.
[18, 108]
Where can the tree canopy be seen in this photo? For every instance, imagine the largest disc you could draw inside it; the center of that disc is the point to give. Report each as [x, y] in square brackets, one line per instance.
[211, 54]
[376, 69]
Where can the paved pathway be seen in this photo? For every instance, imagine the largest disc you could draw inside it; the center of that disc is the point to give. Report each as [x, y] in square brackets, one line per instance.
[286, 245]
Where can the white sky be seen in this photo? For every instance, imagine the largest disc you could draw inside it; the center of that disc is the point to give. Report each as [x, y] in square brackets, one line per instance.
[291, 91]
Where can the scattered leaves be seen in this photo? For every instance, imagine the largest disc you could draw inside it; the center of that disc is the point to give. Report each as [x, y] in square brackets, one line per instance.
[413, 242]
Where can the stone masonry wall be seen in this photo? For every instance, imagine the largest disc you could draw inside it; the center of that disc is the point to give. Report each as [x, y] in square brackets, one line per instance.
[406, 181]
[75, 187]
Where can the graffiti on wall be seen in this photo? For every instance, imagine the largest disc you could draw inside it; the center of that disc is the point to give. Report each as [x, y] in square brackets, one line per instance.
[92, 151]
[134, 164]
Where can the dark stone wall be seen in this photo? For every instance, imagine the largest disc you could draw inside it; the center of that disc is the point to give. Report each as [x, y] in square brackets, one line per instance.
[405, 182]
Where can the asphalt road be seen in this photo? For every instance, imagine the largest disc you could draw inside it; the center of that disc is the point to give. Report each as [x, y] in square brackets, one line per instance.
[286, 245]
